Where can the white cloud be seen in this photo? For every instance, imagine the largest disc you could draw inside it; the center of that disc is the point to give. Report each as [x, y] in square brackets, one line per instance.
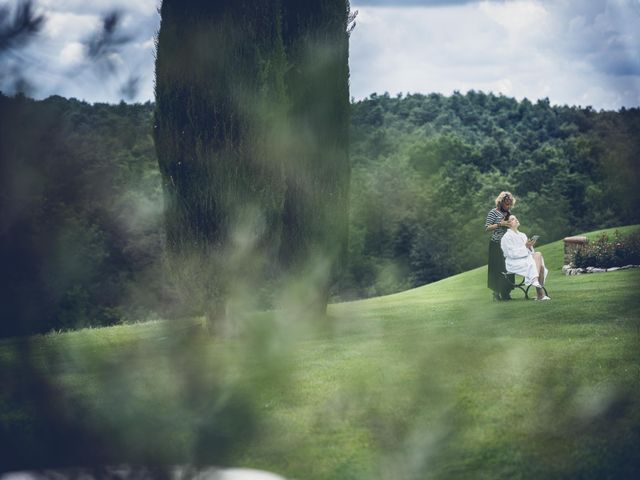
[518, 18]
[59, 25]
[571, 52]
[72, 54]
[148, 45]
[503, 85]
[139, 7]
[117, 60]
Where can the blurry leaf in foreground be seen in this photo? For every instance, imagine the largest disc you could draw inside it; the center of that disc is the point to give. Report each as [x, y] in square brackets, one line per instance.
[105, 43]
[17, 31]
[129, 89]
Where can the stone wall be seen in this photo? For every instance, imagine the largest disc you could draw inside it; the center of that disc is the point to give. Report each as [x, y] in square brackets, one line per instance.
[571, 246]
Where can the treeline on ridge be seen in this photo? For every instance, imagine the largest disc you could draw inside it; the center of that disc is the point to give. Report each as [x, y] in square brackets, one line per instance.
[81, 206]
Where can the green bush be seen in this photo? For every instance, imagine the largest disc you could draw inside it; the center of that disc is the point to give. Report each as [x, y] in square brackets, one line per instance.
[607, 252]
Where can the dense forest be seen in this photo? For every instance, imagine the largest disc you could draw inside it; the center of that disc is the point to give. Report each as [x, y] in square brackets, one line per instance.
[81, 203]
[81, 215]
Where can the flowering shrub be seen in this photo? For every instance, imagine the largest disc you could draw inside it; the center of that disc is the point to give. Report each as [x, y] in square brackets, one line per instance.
[607, 252]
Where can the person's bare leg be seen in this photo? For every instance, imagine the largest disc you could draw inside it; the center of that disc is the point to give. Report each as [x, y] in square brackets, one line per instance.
[537, 257]
[539, 291]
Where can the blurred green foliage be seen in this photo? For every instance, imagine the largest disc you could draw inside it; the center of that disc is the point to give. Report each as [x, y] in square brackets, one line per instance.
[436, 382]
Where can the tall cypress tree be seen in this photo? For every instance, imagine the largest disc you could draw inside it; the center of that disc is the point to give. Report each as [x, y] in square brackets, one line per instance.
[315, 215]
[251, 136]
[220, 102]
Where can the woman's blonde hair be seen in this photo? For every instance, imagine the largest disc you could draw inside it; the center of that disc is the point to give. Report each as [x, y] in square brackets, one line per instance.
[502, 196]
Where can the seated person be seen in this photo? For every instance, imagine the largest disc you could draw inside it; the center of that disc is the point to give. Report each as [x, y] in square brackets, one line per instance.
[520, 258]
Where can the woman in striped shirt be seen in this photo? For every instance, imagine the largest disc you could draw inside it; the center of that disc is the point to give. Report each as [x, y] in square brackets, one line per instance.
[497, 224]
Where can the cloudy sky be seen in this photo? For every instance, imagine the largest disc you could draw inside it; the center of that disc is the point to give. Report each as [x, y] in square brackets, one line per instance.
[575, 52]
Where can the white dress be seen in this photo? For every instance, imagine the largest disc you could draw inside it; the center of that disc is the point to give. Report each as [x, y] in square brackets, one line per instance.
[518, 258]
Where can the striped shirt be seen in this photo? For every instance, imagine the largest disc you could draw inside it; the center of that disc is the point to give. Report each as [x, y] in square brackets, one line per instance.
[496, 216]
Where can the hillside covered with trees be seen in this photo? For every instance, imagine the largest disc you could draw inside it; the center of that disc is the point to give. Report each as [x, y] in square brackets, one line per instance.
[82, 235]
[426, 169]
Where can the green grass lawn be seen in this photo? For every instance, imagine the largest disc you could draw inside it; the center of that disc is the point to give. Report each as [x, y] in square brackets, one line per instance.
[434, 382]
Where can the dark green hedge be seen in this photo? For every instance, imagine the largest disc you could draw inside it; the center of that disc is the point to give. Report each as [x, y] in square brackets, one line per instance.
[606, 252]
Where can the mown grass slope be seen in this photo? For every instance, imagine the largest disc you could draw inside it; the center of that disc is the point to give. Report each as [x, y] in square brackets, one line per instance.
[434, 382]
